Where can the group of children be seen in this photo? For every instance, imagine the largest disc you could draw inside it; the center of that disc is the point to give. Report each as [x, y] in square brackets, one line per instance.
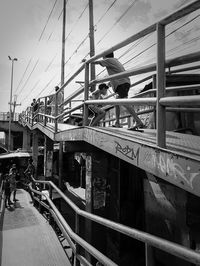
[120, 86]
[11, 180]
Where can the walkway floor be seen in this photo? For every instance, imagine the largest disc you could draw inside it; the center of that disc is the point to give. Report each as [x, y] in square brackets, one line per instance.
[27, 239]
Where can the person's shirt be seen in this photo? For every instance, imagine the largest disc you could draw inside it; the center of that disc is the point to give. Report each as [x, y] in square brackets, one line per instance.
[13, 181]
[113, 67]
[7, 184]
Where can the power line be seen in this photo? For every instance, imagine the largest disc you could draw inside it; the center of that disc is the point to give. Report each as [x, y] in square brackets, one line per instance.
[186, 23]
[65, 39]
[100, 19]
[29, 76]
[23, 76]
[32, 89]
[47, 21]
[117, 21]
[79, 17]
[38, 41]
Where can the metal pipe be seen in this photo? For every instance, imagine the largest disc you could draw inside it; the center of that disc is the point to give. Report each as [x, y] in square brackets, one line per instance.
[134, 101]
[160, 82]
[170, 247]
[189, 100]
[93, 251]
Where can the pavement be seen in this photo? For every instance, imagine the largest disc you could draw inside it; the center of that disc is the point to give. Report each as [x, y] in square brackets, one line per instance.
[26, 238]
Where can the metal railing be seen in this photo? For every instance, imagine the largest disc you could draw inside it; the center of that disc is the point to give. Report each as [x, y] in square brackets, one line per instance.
[4, 116]
[75, 241]
[161, 103]
[2, 196]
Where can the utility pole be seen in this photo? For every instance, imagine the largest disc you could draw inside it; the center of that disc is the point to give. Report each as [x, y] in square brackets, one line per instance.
[63, 44]
[62, 91]
[10, 116]
[91, 35]
[15, 104]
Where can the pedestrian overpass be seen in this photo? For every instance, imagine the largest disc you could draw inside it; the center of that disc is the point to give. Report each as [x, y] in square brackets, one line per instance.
[163, 166]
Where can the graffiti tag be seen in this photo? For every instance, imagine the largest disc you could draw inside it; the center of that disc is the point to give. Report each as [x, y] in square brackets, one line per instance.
[171, 167]
[127, 151]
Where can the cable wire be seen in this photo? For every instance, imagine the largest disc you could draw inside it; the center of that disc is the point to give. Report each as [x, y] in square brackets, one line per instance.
[47, 20]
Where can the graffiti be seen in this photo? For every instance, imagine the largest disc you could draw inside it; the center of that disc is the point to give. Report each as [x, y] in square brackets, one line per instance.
[127, 151]
[170, 167]
[93, 138]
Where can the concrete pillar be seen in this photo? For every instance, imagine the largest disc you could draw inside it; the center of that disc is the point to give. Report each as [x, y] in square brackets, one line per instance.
[11, 141]
[88, 197]
[96, 176]
[35, 151]
[48, 158]
[26, 140]
[60, 164]
[6, 139]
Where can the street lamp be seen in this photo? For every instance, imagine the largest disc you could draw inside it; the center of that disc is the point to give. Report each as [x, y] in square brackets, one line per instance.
[10, 116]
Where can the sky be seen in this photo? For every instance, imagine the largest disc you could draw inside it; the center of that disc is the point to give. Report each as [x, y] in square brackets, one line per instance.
[31, 31]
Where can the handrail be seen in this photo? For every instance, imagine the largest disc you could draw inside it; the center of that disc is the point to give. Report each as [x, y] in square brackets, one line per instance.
[93, 251]
[186, 9]
[181, 60]
[168, 246]
[169, 63]
[2, 196]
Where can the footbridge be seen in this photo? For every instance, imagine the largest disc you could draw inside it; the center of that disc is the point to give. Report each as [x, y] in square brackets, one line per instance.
[135, 199]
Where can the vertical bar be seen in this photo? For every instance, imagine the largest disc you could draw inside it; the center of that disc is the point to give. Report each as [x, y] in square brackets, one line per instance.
[63, 44]
[154, 87]
[40, 197]
[38, 111]
[77, 229]
[45, 111]
[60, 164]
[92, 46]
[10, 116]
[86, 94]
[56, 112]
[149, 261]
[88, 201]
[161, 119]
[50, 196]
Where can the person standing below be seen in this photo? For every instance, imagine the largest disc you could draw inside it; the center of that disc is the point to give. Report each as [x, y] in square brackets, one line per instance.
[120, 87]
[7, 191]
[13, 181]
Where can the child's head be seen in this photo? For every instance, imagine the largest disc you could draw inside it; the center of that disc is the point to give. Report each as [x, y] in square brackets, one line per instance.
[103, 88]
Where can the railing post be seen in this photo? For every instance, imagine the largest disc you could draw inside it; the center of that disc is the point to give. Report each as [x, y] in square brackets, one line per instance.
[40, 197]
[45, 111]
[160, 79]
[86, 94]
[149, 261]
[50, 196]
[77, 229]
[56, 112]
[32, 116]
[154, 87]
